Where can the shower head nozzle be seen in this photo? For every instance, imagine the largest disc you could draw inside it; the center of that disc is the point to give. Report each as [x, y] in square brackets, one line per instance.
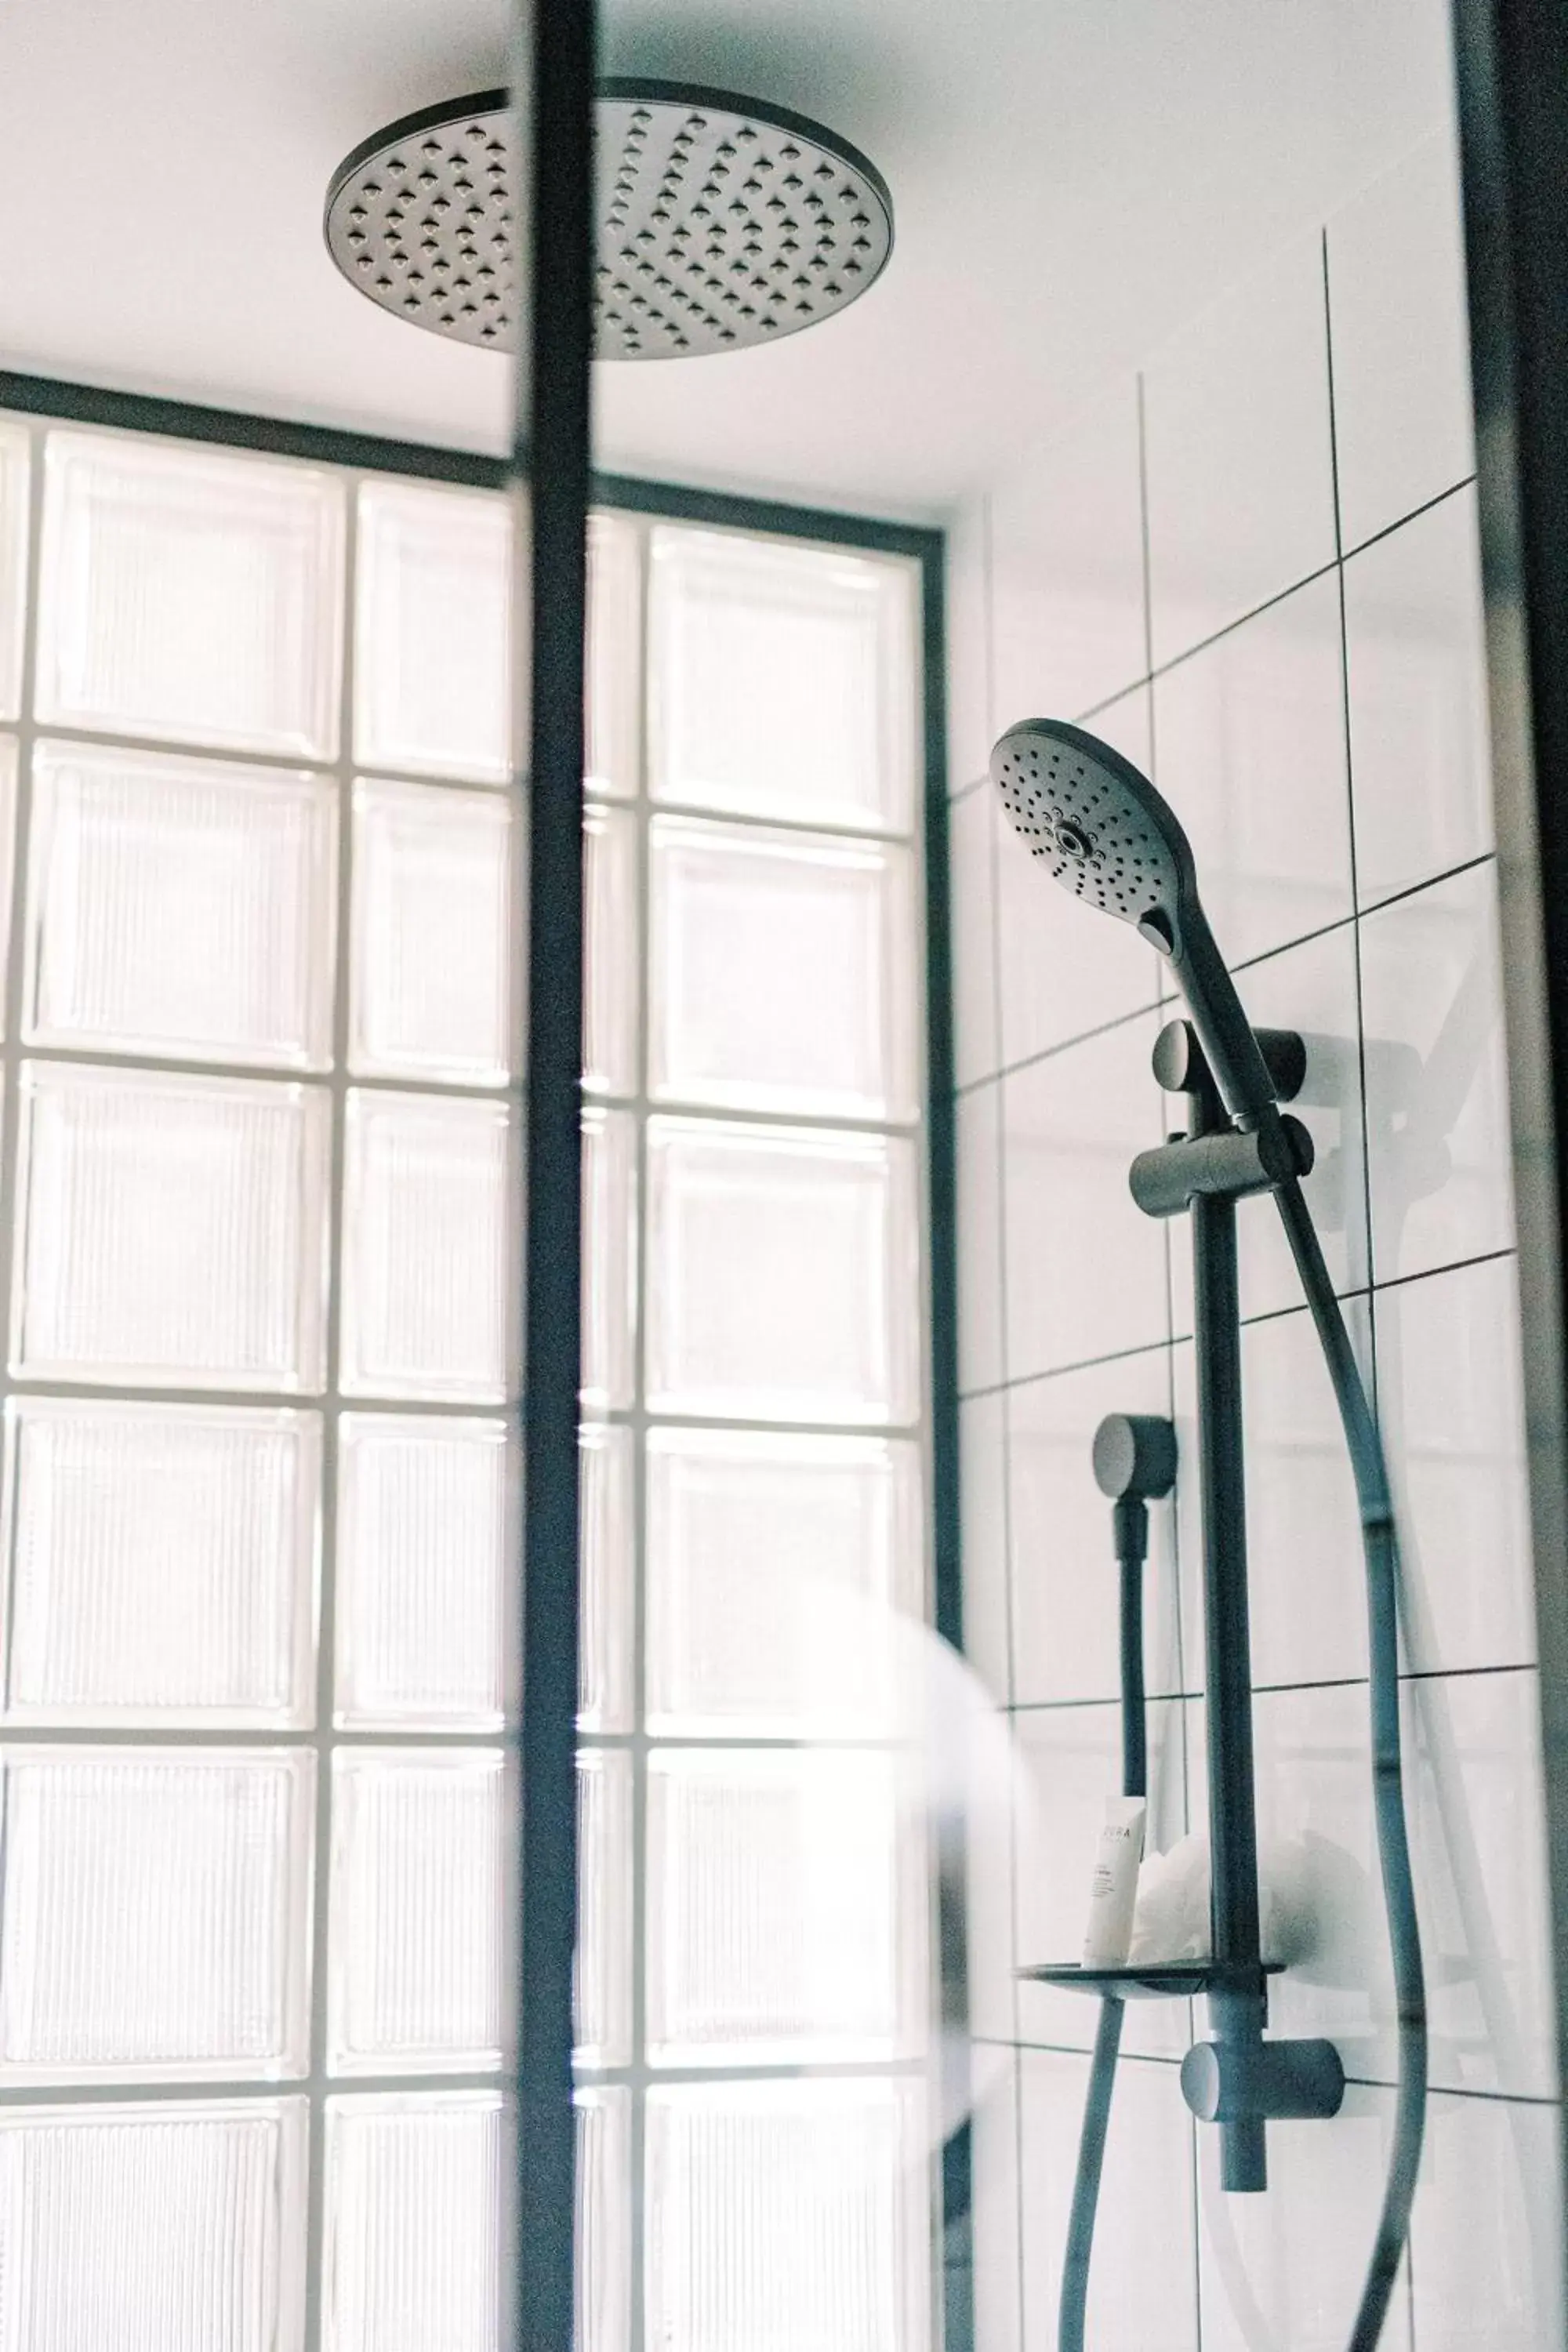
[1100, 826]
[1109, 838]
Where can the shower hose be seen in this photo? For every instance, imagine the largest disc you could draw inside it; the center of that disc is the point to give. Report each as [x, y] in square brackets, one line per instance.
[1380, 1546]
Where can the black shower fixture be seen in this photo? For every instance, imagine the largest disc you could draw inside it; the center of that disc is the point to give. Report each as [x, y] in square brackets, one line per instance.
[722, 223]
[1108, 837]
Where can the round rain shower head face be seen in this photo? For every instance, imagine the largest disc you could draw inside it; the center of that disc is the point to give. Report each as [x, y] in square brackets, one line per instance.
[1100, 826]
[722, 224]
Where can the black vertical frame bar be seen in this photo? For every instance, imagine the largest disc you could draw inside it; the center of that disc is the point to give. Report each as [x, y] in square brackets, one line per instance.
[1512, 64]
[947, 1568]
[554, 82]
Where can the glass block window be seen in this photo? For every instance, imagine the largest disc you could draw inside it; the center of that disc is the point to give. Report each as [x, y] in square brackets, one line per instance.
[779, 2005]
[260, 1235]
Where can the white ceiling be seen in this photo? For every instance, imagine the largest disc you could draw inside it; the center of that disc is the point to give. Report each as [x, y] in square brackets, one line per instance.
[1070, 178]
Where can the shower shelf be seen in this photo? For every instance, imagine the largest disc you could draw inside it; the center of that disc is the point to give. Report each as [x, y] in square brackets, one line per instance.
[1155, 1980]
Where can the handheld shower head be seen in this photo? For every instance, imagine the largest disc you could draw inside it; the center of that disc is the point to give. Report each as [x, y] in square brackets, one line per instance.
[1109, 839]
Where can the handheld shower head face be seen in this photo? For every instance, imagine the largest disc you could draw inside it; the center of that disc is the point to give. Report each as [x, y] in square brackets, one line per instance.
[1109, 839]
[1101, 828]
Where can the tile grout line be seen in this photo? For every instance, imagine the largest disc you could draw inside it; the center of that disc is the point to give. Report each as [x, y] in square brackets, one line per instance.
[1129, 1015]
[1362, 1293]
[1254, 612]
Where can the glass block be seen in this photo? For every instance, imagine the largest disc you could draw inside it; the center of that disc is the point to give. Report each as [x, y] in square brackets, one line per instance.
[783, 680]
[426, 1537]
[604, 1648]
[155, 1913]
[426, 1263]
[191, 594]
[783, 1274]
[417, 2248]
[163, 1563]
[788, 2217]
[15, 470]
[433, 632]
[171, 1229]
[782, 973]
[784, 1891]
[753, 1541]
[603, 1974]
[177, 2227]
[604, 2220]
[612, 976]
[419, 1892]
[615, 653]
[433, 919]
[609, 1258]
[180, 906]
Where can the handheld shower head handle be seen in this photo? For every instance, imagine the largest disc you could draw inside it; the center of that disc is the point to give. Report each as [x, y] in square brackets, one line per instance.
[1231, 1050]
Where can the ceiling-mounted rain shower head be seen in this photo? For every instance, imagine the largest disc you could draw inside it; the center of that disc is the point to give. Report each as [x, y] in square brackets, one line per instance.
[1108, 837]
[721, 222]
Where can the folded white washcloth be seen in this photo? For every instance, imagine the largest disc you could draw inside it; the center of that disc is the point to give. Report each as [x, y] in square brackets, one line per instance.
[1170, 1918]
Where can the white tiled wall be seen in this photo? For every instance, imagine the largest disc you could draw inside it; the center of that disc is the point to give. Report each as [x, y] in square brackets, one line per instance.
[1255, 570]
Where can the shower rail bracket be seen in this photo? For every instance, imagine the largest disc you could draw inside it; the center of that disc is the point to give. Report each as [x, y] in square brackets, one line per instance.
[1260, 2082]
[1237, 2080]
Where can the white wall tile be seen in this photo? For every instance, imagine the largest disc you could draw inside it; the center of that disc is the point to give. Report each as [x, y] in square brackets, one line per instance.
[1436, 1087]
[1141, 2280]
[1474, 1752]
[1311, 988]
[998, 2281]
[1071, 1761]
[1306, 1588]
[1066, 542]
[1474, 1801]
[968, 580]
[1249, 739]
[977, 1139]
[1065, 968]
[1286, 2270]
[1065, 1585]
[983, 1501]
[1313, 1766]
[1486, 2240]
[1416, 665]
[994, 1826]
[1449, 1400]
[972, 856]
[1085, 1269]
[1240, 486]
[1402, 380]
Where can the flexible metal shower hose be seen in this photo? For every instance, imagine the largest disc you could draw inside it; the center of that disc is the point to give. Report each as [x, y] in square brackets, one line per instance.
[1380, 1545]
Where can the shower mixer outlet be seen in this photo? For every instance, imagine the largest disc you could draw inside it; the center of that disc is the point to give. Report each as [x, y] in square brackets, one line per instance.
[1272, 2082]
